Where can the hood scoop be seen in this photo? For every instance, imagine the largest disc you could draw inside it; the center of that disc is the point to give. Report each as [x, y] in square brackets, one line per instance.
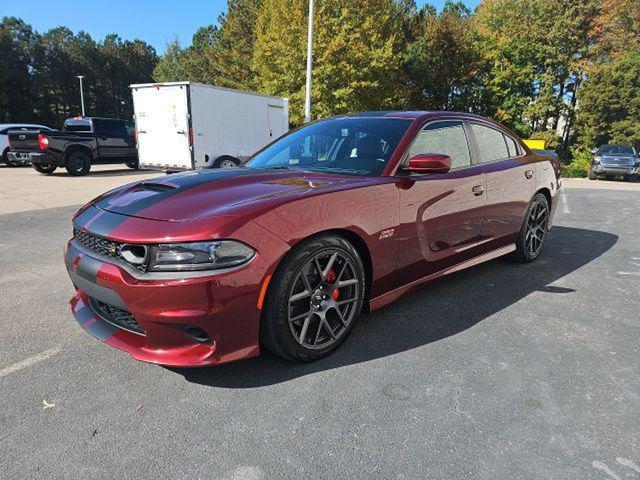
[157, 187]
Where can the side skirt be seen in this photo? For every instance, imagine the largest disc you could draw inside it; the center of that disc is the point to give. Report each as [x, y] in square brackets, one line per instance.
[389, 297]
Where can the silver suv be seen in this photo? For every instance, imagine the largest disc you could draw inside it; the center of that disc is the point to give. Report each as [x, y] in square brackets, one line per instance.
[613, 160]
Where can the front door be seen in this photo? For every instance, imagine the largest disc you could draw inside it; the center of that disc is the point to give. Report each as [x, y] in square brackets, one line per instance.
[440, 214]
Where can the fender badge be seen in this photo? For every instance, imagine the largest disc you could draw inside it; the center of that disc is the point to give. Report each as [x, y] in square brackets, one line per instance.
[384, 234]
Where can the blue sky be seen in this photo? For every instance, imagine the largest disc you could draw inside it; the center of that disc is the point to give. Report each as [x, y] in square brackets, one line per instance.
[156, 22]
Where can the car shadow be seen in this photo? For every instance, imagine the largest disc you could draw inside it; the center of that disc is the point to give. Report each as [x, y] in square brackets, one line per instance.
[119, 172]
[433, 312]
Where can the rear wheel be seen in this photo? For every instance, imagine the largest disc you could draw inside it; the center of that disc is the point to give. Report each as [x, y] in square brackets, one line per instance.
[133, 164]
[314, 299]
[44, 168]
[533, 231]
[78, 163]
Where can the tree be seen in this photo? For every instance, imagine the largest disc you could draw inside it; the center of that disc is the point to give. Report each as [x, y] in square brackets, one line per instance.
[18, 44]
[442, 60]
[356, 55]
[610, 102]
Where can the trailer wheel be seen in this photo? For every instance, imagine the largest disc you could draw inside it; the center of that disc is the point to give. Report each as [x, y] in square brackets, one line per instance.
[226, 161]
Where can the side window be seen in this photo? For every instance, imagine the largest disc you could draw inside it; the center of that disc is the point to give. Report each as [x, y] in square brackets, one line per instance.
[447, 138]
[4, 131]
[511, 146]
[490, 142]
[109, 128]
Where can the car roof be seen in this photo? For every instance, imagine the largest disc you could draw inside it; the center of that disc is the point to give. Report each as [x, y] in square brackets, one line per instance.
[96, 118]
[414, 114]
[10, 125]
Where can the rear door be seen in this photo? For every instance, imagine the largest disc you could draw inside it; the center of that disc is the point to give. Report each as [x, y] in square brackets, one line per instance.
[162, 123]
[441, 213]
[510, 181]
[112, 138]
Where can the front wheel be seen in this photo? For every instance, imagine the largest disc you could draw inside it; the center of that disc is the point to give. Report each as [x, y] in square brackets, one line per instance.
[78, 163]
[592, 176]
[314, 299]
[533, 231]
[44, 168]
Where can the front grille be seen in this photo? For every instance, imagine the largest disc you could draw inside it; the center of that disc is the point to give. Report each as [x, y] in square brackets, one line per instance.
[102, 246]
[96, 244]
[116, 316]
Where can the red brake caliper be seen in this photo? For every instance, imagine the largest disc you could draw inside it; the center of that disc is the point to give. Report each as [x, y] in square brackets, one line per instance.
[331, 277]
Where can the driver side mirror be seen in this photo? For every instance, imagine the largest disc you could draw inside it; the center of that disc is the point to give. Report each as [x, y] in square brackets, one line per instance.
[429, 163]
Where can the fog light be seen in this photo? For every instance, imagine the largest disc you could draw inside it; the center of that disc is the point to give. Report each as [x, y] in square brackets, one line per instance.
[198, 334]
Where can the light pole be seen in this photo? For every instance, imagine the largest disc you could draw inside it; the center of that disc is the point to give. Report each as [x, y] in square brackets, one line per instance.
[307, 99]
[81, 93]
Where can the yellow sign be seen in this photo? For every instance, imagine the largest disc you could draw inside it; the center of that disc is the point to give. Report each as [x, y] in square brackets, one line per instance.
[539, 144]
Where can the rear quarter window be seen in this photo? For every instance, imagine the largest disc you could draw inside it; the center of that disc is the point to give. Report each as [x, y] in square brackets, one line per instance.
[491, 143]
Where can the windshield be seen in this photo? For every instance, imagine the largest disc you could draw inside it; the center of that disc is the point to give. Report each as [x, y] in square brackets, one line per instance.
[616, 150]
[353, 146]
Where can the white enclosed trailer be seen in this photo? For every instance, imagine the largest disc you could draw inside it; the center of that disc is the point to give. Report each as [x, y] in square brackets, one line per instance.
[184, 125]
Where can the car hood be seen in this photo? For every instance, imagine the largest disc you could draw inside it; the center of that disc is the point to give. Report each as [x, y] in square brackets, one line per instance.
[207, 193]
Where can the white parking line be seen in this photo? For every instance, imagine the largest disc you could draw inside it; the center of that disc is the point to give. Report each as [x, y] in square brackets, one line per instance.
[565, 203]
[27, 362]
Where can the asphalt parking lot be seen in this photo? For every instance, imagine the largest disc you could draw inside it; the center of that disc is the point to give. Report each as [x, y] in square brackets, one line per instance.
[502, 371]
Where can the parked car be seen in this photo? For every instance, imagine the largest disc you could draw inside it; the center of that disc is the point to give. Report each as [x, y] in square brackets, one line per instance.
[613, 160]
[343, 215]
[184, 125]
[82, 142]
[4, 140]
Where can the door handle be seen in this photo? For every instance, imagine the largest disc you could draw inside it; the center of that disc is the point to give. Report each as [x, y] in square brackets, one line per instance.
[478, 190]
[528, 173]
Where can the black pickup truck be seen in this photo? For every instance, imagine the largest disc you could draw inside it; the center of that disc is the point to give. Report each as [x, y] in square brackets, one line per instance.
[82, 142]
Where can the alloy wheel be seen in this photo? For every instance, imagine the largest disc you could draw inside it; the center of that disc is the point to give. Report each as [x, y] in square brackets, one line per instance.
[323, 299]
[536, 228]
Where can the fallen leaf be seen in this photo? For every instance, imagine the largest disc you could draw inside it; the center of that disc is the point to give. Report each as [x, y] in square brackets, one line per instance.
[139, 407]
[46, 405]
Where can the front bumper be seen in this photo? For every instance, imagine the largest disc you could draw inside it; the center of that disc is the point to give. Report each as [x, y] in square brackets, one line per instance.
[223, 305]
[615, 169]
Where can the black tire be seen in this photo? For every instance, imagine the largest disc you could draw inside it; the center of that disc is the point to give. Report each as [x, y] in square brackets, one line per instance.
[534, 224]
[633, 177]
[133, 164]
[5, 159]
[44, 168]
[226, 161]
[300, 269]
[592, 176]
[78, 163]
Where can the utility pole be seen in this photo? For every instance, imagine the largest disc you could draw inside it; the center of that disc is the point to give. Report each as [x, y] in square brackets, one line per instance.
[307, 100]
[81, 93]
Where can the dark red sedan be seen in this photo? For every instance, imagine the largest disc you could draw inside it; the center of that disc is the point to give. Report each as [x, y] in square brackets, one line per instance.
[343, 215]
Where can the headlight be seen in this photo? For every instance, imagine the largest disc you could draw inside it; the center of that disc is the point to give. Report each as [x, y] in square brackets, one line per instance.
[198, 256]
[596, 160]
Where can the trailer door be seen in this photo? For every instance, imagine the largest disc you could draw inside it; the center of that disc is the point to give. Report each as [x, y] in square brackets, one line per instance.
[277, 125]
[162, 122]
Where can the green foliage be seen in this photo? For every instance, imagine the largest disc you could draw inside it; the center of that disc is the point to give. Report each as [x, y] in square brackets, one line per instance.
[38, 80]
[356, 52]
[442, 60]
[610, 102]
[579, 165]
